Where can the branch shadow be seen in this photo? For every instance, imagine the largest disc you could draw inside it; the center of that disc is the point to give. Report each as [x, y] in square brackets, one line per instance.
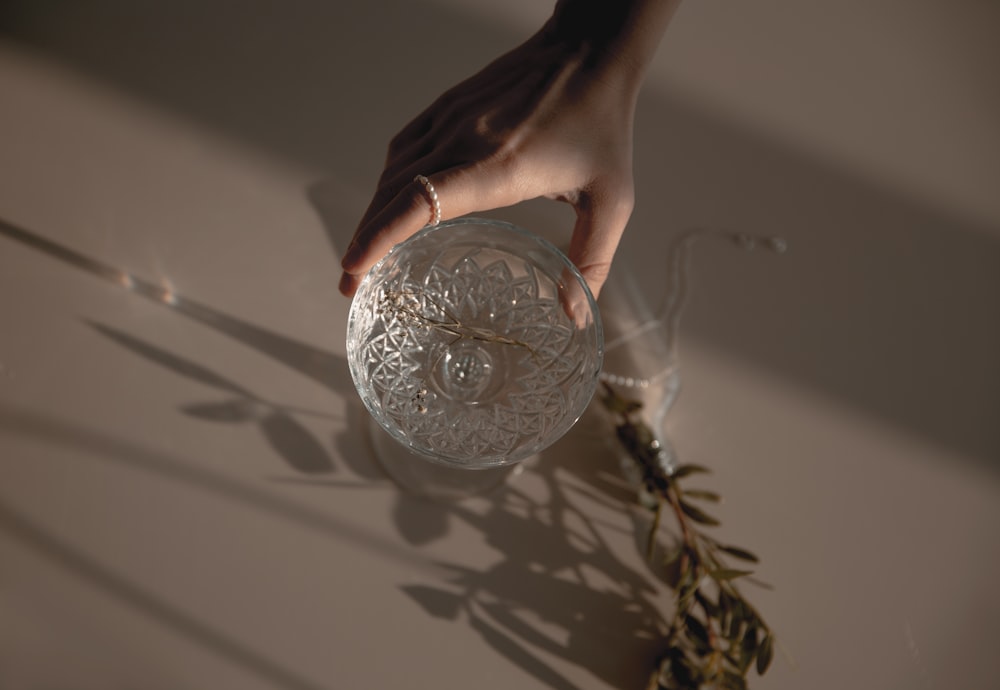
[20, 528]
[95, 446]
[560, 590]
[287, 436]
[99, 446]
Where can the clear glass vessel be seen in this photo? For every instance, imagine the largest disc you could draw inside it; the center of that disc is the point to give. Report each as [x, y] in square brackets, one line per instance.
[475, 344]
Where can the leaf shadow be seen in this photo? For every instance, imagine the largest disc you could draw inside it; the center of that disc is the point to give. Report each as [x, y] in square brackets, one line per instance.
[296, 445]
[226, 412]
[419, 521]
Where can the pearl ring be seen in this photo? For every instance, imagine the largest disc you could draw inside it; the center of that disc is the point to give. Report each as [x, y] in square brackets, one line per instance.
[432, 197]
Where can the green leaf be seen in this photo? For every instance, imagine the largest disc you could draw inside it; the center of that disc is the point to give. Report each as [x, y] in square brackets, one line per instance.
[653, 529]
[733, 632]
[739, 617]
[695, 628]
[748, 648]
[765, 654]
[698, 515]
[686, 589]
[725, 610]
[680, 671]
[737, 552]
[724, 574]
[710, 607]
[685, 470]
[672, 557]
[704, 495]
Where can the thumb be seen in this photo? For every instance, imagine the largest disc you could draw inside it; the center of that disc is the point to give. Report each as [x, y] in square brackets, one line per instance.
[600, 223]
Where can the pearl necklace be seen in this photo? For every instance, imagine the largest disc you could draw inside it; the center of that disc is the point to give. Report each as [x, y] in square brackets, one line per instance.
[668, 316]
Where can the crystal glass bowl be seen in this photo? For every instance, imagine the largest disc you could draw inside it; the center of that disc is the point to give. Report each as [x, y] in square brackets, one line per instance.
[475, 343]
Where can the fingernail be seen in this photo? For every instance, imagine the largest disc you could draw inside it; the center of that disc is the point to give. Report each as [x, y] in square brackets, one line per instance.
[348, 284]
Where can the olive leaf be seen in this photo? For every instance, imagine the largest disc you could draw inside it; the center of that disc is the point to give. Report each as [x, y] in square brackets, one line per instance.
[764, 654]
[723, 574]
[742, 554]
[698, 515]
[703, 494]
[682, 471]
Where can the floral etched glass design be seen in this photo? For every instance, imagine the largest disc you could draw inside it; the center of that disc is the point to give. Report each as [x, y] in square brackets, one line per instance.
[475, 343]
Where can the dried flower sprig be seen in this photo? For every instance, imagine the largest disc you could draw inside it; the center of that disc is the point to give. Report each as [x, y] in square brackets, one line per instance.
[404, 305]
[715, 635]
[408, 308]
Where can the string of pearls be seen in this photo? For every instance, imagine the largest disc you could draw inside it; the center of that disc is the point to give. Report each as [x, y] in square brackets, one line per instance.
[432, 195]
[676, 296]
[631, 381]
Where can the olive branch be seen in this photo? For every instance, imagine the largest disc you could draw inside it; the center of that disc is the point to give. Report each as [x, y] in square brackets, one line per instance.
[715, 635]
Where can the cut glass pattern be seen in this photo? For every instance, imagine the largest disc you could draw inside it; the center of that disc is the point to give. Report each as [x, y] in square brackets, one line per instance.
[461, 345]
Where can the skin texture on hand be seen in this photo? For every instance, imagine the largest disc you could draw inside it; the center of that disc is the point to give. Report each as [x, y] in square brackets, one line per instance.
[551, 118]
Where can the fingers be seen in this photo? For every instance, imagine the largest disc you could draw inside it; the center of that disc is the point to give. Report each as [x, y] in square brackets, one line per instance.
[407, 212]
[601, 217]
[460, 190]
[602, 211]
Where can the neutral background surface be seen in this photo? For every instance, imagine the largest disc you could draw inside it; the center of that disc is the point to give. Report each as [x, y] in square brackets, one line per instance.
[187, 495]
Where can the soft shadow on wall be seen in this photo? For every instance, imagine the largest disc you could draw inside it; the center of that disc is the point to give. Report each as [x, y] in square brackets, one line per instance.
[883, 303]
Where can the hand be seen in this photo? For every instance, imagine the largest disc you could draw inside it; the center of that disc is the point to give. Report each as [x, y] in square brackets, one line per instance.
[544, 120]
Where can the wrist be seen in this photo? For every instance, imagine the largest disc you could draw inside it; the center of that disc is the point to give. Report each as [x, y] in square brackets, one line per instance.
[623, 33]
